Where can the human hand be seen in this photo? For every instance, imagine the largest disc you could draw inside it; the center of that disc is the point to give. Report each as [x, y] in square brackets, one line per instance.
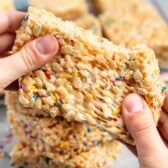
[151, 144]
[33, 55]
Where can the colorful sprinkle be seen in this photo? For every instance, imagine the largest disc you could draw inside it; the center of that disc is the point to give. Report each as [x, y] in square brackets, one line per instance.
[47, 160]
[85, 143]
[113, 57]
[32, 87]
[64, 144]
[75, 74]
[35, 98]
[164, 88]
[116, 111]
[89, 130]
[98, 143]
[112, 80]
[53, 96]
[47, 74]
[133, 43]
[120, 78]
[44, 87]
[21, 86]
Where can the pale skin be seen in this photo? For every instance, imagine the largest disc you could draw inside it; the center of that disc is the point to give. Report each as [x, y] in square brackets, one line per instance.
[151, 142]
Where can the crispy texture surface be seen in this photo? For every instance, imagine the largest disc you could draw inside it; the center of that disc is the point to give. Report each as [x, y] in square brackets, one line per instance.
[24, 155]
[66, 9]
[89, 77]
[142, 25]
[52, 134]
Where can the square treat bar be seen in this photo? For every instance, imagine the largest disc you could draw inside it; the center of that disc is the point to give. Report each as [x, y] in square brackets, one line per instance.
[6, 5]
[89, 22]
[52, 134]
[89, 77]
[141, 25]
[66, 9]
[111, 5]
[24, 155]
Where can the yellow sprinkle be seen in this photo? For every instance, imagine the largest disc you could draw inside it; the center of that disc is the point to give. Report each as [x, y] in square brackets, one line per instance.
[157, 71]
[133, 43]
[53, 96]
[108, 62]
[2, 155]
[75, 74]
[32, 87]
[64, 144]
[116, 111]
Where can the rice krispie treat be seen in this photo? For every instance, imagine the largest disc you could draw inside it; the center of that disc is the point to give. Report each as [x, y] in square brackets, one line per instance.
[6, 5]
[88, 21]
[89, 77]
[24, 155]
[142, 25]
[112, 5]
[52, 134]
[66, 9]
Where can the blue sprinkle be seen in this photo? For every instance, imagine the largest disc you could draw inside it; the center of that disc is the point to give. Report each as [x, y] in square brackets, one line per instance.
[119, 79]
[35, 98]
[98, 143]
[85, 143]
[89, 130]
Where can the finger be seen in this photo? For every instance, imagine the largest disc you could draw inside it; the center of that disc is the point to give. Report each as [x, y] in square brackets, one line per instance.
[139, 122]
[163, 125]
[32, 56]
[165, 105]
[10, 20]
[6, 42]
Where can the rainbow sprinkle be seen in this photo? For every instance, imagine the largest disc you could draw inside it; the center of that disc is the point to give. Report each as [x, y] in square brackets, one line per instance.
[116, 111]
[53, 96]
[89, 130]
[164, 88]
[35, 98]
[64, 144]
[32, 87]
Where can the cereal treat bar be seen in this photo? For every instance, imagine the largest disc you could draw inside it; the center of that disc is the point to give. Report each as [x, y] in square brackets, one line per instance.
[89, 77]
[88, 21]
[53, 134]
[141, 25]
[6, 5]
[112, 5]
[66, 9]
[24, 155]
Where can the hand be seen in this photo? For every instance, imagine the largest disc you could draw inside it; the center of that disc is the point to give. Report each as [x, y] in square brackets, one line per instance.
[33, 55]
[151, 145]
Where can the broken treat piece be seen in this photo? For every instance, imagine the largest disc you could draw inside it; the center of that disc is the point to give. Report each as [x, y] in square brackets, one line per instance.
[143, 25]
[112, 5]
[89, 22]
[52, 134]
[23, 155]
[89, 77]
[65, 9]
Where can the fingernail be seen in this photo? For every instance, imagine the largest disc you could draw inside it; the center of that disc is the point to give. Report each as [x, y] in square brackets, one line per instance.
[46, 44]
[133, 103]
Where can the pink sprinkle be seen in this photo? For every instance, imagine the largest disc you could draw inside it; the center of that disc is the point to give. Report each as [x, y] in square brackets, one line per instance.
[113, 57]
[112, 80]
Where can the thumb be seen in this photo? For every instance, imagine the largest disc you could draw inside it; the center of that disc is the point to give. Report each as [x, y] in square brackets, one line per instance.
[139, 122]
[32, 56]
